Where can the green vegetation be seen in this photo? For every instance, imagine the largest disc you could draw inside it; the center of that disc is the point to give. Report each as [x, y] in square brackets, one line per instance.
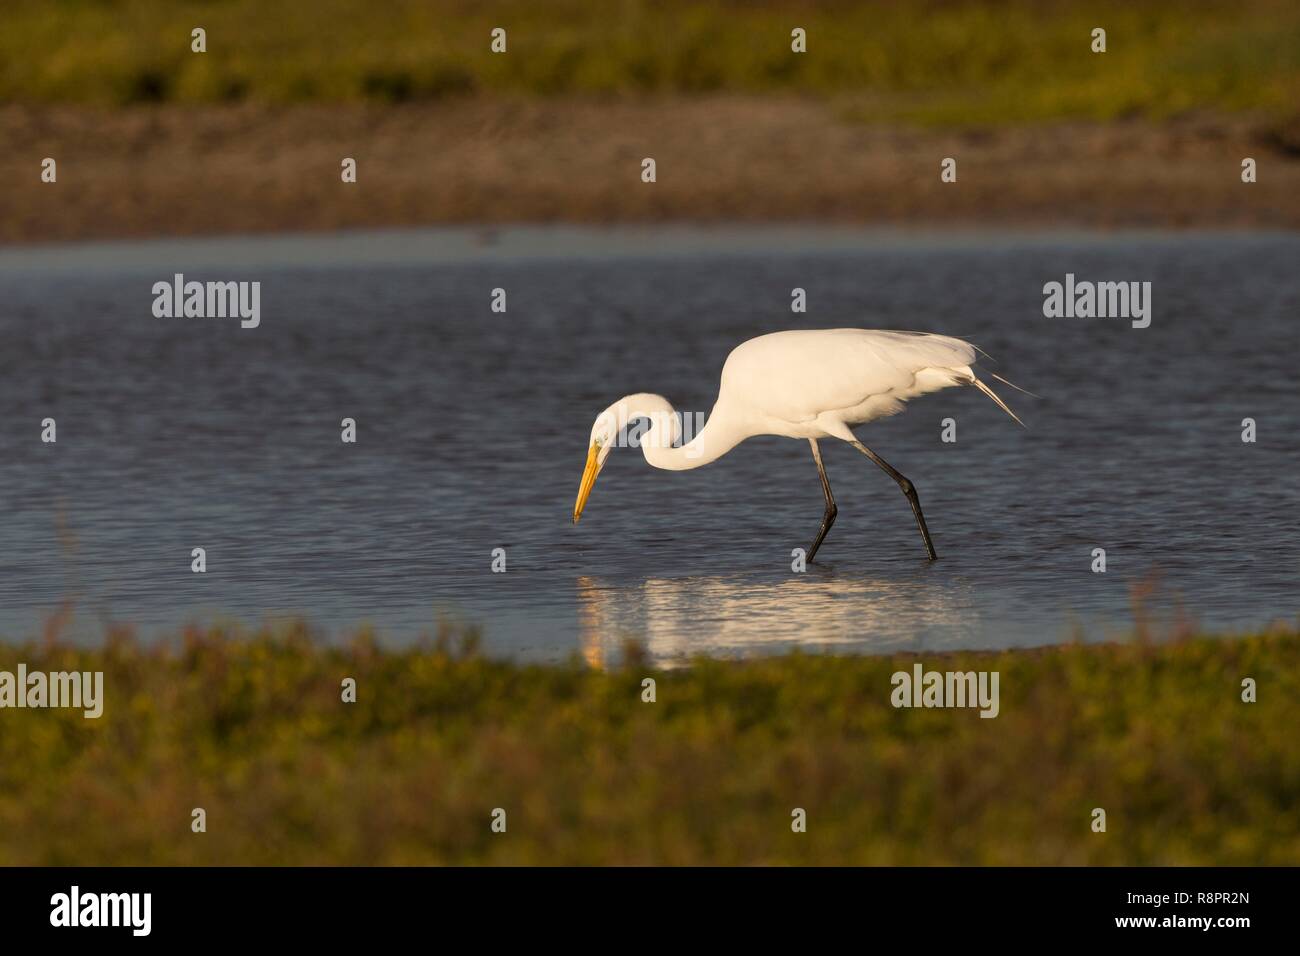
[252, 729]
[938, 61]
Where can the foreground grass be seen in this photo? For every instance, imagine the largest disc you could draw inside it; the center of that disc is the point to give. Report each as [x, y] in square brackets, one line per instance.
[252, 729]
[941, 61]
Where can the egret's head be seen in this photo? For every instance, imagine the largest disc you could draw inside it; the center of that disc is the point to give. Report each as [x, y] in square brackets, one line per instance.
[604, 433]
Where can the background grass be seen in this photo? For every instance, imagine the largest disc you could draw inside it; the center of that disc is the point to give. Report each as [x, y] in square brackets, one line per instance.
[253, 730]
[934, 62]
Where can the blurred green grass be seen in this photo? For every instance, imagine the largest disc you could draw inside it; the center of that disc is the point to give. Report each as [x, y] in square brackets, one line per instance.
[932, 62]
[252, 729]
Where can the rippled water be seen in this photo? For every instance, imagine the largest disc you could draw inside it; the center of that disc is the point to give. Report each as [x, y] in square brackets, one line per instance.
[183, 433]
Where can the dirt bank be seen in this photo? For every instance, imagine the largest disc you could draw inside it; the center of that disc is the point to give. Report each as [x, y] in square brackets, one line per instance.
[178, 170]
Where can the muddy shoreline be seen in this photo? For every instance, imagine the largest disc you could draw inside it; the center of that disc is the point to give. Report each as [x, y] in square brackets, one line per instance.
[189, 171]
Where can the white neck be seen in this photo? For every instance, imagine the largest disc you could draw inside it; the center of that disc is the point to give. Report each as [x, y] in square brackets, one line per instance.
[719, 435]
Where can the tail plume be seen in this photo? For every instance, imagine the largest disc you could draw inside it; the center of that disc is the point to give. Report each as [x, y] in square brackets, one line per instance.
[1014, 385]
[1001, 404]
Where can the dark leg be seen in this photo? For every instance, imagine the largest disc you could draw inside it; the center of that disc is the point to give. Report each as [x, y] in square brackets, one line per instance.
[907, 490]
[828, 518]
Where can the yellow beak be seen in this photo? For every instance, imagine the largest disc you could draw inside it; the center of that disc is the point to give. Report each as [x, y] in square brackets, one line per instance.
[588, 480]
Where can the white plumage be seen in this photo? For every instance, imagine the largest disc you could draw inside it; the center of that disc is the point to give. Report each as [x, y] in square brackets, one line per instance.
[807, 384]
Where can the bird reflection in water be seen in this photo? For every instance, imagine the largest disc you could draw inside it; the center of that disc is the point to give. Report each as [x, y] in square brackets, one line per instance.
[674, 619]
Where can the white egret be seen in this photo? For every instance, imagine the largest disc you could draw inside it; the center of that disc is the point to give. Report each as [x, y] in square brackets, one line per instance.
[797, 384]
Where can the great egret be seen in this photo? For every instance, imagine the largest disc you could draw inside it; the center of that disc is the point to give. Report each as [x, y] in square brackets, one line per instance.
[797, 384]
